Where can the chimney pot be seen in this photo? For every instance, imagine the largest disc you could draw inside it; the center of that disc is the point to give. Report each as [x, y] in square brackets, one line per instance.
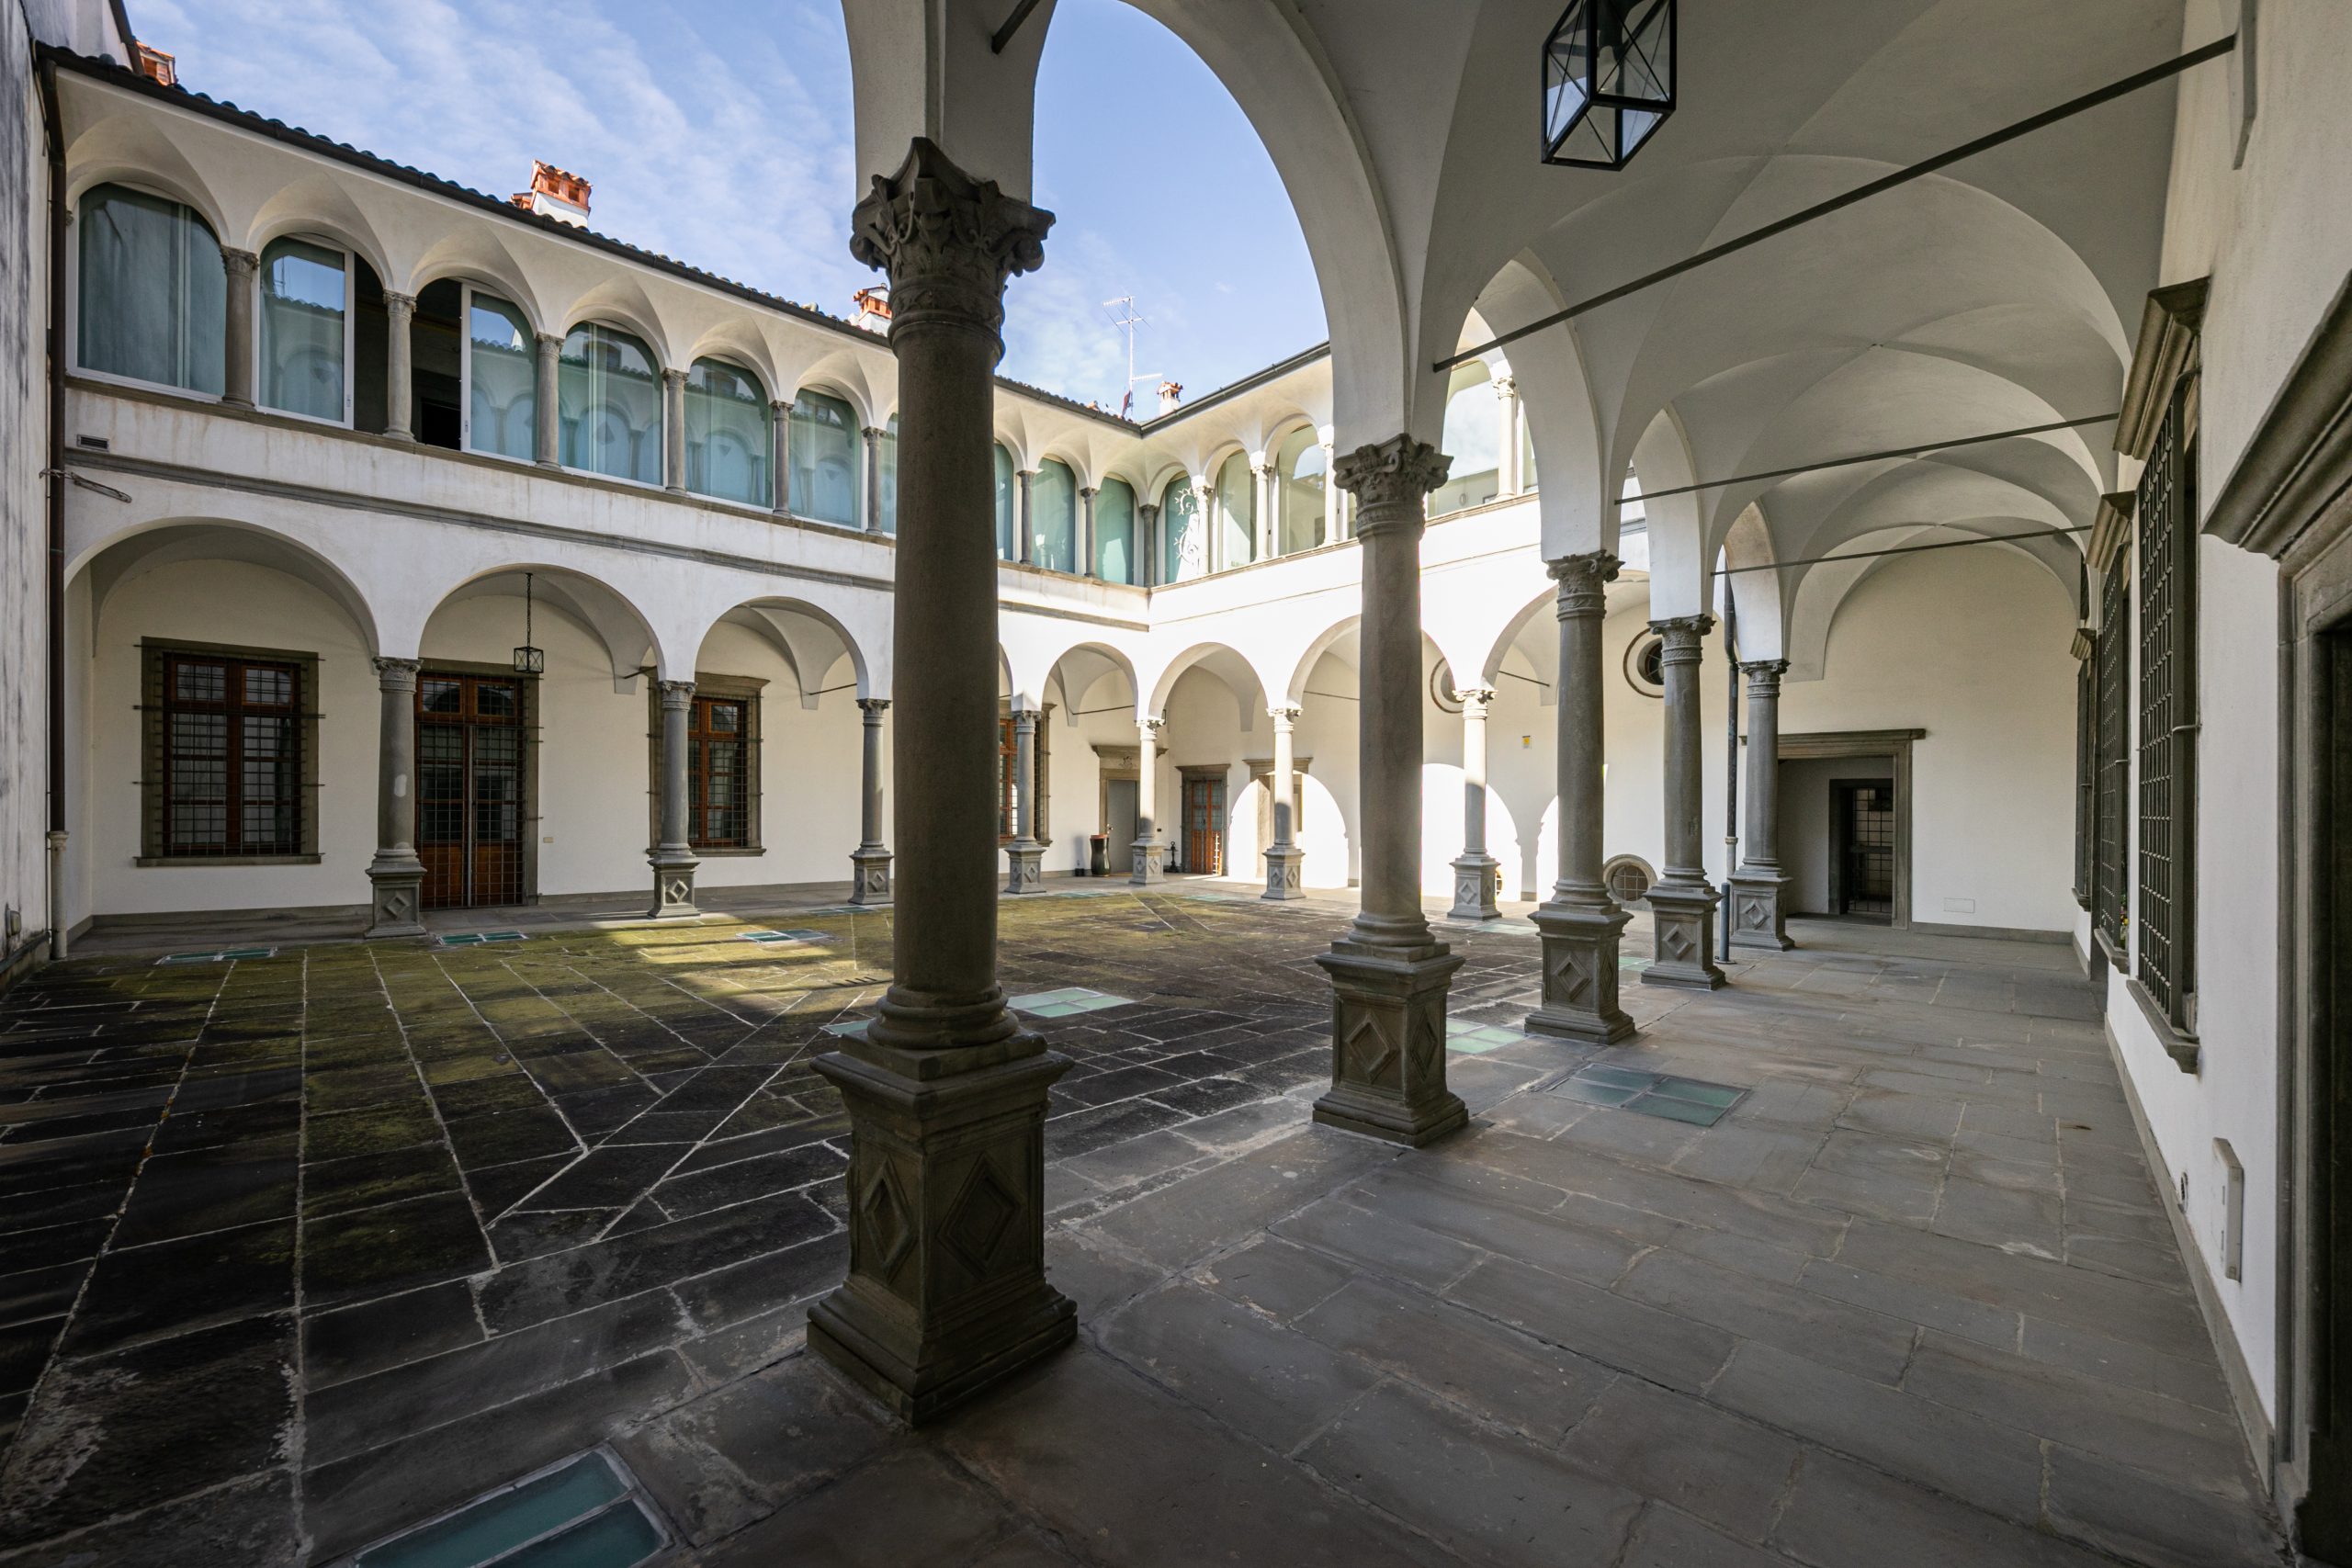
[555, 193]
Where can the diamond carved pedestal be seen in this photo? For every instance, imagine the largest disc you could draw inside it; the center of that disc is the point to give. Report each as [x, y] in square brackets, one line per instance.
[1581, 974]
[1683, 917]
[1388, 1044]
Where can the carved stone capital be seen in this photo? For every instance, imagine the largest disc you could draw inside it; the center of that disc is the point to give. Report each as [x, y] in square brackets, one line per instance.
[676, 693]
[1475, 699]
[1153, 726]
[398, 306]
[1584, 584]
[240, 264]
[1391, 482]
[948, 242]
[1506, 387]
[674, 378]
[875, 707]
[1285, 715]
[1025, 718]
[1764, 676]
[397, 675]
[1682, 637]
[875, 433]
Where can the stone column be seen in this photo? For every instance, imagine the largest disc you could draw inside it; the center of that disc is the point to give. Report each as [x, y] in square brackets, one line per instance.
[1474, 871]
[1147, 546]
[1284, 857]
[237, 327]
[1758, 888]
[396, 907]
[870, 861]
[673, 432]
[1025, 518]
[1508, 480]
[549, 412]
[673, 859]
[1151, 862]
[946, 1291]
[1025, 853]
[1268, 531]
[1086, 532]
[1581, 923]
[1682, 902]
[1335, 507]
[780, 437]
[1388, 974]
[399, 395]
[873, 479]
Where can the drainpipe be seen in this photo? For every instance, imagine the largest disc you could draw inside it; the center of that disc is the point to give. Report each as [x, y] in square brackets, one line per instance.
[1731, 760]
[56, 477]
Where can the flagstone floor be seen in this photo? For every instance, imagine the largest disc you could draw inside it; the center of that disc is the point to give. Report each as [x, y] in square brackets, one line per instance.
[1856, 1261]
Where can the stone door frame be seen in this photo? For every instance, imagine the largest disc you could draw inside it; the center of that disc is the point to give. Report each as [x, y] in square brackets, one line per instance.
[1896, 743]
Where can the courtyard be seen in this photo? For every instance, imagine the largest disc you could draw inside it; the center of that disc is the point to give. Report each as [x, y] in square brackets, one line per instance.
[301, 1248]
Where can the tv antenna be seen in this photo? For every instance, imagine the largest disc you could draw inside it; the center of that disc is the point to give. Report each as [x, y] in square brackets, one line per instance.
[1127, 320]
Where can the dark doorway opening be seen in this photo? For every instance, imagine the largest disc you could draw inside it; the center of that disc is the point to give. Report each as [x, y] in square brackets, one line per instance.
[2324, 1518]
[470, 759]
[1861, 859]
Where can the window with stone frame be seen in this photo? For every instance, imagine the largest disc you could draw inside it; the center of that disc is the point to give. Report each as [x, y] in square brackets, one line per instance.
[229, 768]
[723, 765]
[2111, 662]
[2085, 779]
[2166, 517]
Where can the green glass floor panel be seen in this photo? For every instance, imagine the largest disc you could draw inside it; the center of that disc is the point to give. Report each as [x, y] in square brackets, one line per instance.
[1666, 1107]
[1067, 1002]
[619, 1538]
[1721, 1096]
[1623, 1077]
[492, 1526]
[1594, 1093]
[853, 1030]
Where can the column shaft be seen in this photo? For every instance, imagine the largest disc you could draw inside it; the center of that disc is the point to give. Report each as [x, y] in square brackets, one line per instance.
[237, 328]
[946, 1289]
[1582, 924]
[874, 481]
[549, 412]
[1086, 532]
[1268, 530]
[870, 861]
[1150, 864]
[396, 875]
[673, 859]
[1759, 887]
[673, 432]
[1212, 536]
[1388, 974]
[1508, 478]
[1025, 516]
[1334, 502]
[1146, 566]
[399, 395]
[1284, 856]
[1682, 902]
[1474, 869]
[780, 439]
[1025, 854]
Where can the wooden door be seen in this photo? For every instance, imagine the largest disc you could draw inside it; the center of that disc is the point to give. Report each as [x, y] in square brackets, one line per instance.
[470, 762]
[1205, 826]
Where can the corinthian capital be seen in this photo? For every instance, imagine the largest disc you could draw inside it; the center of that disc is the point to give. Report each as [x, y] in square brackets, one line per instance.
[1391, 479]
[949, 241]
[1584, 582]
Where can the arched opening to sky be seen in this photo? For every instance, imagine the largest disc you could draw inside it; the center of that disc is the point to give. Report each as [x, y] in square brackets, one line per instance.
[1162, 190]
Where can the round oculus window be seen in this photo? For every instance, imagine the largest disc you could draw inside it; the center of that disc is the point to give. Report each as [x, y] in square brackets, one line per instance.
[1645, 664]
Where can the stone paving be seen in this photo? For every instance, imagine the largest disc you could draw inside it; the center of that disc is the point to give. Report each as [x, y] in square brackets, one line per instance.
[299, 1250]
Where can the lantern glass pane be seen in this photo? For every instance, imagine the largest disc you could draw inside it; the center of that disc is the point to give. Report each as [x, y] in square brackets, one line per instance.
[1649, 52]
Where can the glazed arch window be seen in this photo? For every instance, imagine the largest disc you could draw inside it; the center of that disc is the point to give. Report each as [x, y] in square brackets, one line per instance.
[229, 740]
[151, 291]
[608, 395]
[304, 326]
[1645, 664]
[1183, 537]
[1004, 506]
[1053, 504]
[730, 434]
[1237, 512]
[1114, 532]
[501, 391]
[1299, 482]
[1473, 438]
[886, 466]
[824, 460]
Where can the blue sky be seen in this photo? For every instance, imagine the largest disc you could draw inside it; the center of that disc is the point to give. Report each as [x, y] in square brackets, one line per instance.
[719, 132]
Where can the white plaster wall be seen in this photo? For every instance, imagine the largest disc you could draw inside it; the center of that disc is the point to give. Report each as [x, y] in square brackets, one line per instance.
[184, 603]
[811, 768]
[24, 435]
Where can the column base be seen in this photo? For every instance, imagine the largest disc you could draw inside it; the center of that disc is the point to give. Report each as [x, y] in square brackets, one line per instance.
[1760, 909]
[1388, 1043]
[946, 1291]
[869, 875]
[674, 886]
[1473, 889]
[1580, 972]
[1683, 914]
[1026, 858]
[1282, 873]
[1151, 862]
[396, 905]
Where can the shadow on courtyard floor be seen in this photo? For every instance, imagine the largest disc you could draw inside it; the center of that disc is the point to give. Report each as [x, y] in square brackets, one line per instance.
[297, 1250]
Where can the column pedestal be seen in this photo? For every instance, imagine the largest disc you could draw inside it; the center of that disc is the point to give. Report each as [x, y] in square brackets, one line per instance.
[946, 1289]
[396, 877]
[1682, 901]
[674, 859]
[1388, 975]
[870, 861]
[1581, 925]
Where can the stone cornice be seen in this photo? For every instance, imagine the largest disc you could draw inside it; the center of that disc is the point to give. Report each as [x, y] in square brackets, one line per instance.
[2110, 528]
[2166, 351]
[2293, 486]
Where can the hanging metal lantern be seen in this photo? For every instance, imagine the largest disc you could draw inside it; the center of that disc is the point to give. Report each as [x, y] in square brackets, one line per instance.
[528, 660]
[1608, 80]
